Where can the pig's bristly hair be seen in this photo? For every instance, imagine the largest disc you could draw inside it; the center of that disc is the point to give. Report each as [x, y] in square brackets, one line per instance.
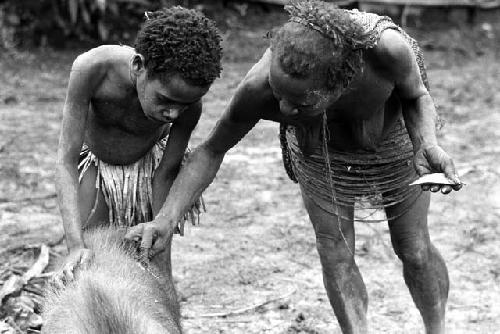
[113, 295]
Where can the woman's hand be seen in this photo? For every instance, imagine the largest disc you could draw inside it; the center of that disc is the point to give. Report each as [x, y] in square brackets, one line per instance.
[433, 159]
[153, 236]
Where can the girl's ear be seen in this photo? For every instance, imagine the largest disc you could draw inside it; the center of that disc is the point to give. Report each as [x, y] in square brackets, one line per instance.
[138, 64]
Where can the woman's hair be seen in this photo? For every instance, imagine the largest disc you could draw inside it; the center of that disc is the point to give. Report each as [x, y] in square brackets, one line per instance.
[181, 40]
[320, 39]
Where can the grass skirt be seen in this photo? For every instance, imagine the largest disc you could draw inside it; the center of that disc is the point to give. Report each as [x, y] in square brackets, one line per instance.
[128, 189]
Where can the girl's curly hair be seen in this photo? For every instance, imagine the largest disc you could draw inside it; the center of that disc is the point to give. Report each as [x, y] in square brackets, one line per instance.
[181, 40]
[321, 39]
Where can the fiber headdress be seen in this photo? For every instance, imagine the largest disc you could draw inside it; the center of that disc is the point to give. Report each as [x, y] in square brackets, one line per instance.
[342, 28]
[334, 23]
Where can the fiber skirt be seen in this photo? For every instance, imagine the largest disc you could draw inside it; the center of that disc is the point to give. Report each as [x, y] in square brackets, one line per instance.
[371, 180]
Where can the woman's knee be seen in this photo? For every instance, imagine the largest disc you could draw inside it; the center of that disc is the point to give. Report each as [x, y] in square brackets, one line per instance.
[334, 250]
[415, 254]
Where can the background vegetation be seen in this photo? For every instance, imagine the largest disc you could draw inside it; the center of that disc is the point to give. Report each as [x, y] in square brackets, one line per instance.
[55, 22]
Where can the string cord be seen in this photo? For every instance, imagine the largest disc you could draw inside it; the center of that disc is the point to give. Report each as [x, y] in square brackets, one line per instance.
[326, 154]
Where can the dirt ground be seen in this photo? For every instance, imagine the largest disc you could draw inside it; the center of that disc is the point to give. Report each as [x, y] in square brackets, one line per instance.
[253, 258]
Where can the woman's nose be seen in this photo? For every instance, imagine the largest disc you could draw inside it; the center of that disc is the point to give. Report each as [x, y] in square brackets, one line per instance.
[287, 108]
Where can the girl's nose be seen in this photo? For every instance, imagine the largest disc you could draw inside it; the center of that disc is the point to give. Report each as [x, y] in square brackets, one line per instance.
[172, 113]
[287, 108]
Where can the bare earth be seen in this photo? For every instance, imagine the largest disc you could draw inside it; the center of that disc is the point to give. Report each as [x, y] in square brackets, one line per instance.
[251, 266]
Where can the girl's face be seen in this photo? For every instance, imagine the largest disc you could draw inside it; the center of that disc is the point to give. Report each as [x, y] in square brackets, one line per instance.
[164, 98]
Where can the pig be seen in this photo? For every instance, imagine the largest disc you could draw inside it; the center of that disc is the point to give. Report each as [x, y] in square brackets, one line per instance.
[113, 294]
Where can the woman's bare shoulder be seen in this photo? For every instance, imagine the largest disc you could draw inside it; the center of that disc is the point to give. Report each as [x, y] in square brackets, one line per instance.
[258, 75]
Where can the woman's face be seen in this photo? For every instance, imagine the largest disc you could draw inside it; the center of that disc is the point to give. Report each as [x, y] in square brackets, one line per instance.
[299, 98]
